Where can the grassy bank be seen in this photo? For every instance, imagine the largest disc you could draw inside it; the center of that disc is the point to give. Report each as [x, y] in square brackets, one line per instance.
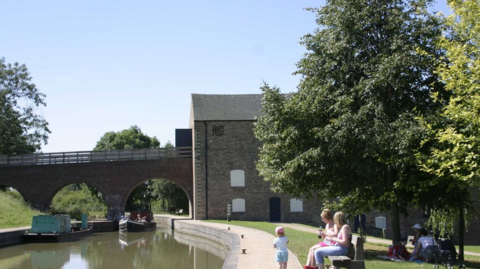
[300, 243]
[15, 212]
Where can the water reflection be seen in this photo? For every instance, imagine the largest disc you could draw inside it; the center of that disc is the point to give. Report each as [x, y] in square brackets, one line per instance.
[157, 249]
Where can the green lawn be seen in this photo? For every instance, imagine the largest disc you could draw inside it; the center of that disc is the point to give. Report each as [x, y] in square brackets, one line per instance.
[300, 243]
[15, 213]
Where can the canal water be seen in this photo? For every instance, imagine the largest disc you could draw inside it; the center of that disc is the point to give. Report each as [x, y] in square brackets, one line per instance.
[156, 249]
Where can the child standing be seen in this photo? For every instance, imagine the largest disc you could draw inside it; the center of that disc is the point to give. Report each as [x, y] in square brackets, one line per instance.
[280, 243]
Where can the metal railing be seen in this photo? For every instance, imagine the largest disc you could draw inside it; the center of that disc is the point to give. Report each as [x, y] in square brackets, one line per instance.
[94, 156]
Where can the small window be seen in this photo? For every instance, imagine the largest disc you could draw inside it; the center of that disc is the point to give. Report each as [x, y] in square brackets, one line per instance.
[218, 130]
[238, 205]
[381, 222]
[296, 205]
[237, 178]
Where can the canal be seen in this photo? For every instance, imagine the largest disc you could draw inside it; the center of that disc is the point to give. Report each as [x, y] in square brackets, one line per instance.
[157, 249]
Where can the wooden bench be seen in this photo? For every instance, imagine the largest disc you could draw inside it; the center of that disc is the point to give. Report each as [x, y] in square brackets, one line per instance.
[179, 212]
[354, 258]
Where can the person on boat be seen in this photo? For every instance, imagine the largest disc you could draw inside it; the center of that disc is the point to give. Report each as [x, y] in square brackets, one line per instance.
[139, 218]
[144, 219]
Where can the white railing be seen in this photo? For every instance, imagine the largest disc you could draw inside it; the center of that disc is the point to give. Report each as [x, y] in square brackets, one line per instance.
[94, 156]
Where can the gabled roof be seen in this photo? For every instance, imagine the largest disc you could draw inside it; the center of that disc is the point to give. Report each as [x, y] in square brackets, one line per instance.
[222, 107]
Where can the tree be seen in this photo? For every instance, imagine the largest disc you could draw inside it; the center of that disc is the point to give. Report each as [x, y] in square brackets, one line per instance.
[350, 131]
[132, 138]
[455, 131]
[22, 127]
[170, 194]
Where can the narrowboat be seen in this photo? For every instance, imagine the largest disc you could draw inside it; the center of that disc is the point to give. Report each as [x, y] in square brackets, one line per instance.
[55, 228]
[138, 221]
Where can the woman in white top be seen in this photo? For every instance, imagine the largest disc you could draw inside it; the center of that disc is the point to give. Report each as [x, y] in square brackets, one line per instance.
[423, 242]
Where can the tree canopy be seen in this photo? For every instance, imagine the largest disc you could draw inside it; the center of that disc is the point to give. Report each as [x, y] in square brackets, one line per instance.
[22, 126]
[350, 131]
[454, 157]
[131, 138]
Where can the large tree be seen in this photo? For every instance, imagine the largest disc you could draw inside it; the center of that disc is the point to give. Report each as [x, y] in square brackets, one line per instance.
[454, 157]
[350, 129]
[22, 127]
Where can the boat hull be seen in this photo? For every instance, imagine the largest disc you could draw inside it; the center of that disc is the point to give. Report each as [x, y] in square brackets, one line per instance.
[54, 238]
[134, 226]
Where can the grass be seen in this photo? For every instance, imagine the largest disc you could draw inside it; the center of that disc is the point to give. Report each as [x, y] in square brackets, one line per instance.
[15, 212]
[300, 243]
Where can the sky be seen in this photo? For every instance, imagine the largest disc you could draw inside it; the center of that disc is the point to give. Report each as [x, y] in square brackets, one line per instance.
[109, 65]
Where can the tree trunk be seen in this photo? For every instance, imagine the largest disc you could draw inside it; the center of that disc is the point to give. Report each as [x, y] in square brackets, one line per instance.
[395, 219]
[394, 211]
[461, 234]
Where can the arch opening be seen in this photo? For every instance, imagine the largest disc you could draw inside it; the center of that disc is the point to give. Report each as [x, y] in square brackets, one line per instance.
[161, 196]
[77, 199]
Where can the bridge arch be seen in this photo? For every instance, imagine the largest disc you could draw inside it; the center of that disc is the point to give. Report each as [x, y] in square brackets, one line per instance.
[38, 184]
[140, 181]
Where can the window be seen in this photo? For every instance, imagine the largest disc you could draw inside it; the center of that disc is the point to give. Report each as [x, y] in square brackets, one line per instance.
[296, 205]
[237, 178]
[381, 222]
[238, 205]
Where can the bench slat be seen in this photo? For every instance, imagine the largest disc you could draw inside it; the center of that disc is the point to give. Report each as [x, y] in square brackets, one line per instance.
[339, 258]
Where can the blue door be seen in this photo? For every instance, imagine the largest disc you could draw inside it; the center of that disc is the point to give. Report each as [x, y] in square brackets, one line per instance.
[275, 213]
[356, 222]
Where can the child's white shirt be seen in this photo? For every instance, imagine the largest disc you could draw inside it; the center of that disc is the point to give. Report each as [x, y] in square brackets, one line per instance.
[281, 243]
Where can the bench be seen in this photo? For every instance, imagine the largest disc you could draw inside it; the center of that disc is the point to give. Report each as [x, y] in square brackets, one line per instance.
[354, 258]
[179, 212]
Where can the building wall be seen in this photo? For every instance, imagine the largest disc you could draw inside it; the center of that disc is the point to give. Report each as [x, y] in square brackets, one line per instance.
[233, 146]
[472, 234]
[227, 146]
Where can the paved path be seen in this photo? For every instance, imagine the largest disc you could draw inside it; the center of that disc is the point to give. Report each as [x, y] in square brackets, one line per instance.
[259, 248]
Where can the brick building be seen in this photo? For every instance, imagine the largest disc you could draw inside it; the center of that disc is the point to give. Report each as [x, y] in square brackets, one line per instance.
[224, 152]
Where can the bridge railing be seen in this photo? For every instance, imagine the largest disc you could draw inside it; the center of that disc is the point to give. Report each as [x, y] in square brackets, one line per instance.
[94, 156]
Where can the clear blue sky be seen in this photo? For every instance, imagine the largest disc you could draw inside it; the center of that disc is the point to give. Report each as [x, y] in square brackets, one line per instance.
[108, 65]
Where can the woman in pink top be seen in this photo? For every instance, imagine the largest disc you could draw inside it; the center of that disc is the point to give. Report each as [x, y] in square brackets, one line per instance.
[341, 242]
[330, 230]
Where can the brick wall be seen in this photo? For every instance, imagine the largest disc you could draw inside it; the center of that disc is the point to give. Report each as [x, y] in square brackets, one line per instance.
[115, 180]
[233, 146]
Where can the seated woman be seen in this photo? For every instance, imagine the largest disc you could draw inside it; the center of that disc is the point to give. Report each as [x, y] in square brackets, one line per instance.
[423, 242]
[330, 230]
[341, 242]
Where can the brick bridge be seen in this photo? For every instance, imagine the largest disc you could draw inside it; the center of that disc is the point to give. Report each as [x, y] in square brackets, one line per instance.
[115, 174]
